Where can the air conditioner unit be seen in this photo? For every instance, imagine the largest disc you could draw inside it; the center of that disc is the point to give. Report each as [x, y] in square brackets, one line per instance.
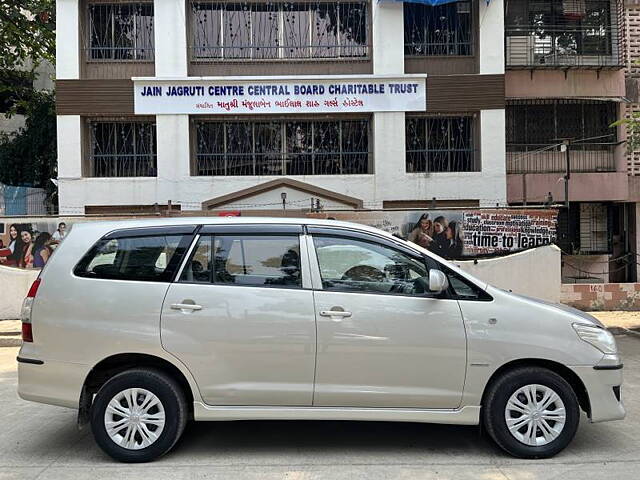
[520, 50]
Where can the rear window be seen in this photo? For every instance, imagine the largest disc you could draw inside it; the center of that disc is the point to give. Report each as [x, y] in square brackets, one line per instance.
[148, 258]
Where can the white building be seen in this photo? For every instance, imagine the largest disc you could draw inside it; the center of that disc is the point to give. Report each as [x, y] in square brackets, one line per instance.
[113, 160]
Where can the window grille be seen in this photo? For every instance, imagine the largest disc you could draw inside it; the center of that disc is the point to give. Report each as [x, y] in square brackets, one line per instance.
[535, 129]
[279, 30]
[440, 144]
[122, 149]
[121, 31]
[594, 228]
[438, 30]
[277, 147]
[562, 33]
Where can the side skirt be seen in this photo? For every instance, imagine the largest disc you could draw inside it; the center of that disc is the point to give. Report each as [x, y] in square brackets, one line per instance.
[469, 415]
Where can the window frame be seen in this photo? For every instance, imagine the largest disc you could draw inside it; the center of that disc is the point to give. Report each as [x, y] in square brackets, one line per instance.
[475, 139]
[186, 232]
[286, 158]
[281, 22]
[213, 231]
[88, 33]
[448, 294]
[473, 31]
[89, 157]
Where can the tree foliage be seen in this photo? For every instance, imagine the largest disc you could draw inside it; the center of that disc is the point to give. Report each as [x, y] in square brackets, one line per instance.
[27, 32]
[28, 156]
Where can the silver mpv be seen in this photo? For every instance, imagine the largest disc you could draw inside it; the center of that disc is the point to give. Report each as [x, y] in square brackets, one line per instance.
[144, 325]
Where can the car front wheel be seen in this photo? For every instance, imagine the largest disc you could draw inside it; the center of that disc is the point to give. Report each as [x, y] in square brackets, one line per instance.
[531, 412]
[138, 415]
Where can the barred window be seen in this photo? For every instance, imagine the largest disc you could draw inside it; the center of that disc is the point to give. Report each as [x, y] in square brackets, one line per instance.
[122, 149]
[440, 144]
[279, 30]
[277, 147]
[121, 31]
[438, 30]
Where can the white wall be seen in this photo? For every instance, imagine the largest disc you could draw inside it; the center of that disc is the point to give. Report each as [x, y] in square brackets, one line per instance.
[535, 272]
[170, 31]
[491, 48]
[15, 285]
[67, 39]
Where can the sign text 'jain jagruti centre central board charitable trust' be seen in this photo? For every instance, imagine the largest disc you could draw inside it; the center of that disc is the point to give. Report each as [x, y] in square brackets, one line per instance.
[256, 95]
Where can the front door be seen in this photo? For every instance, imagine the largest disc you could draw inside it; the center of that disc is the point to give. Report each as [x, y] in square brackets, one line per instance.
[241, 317]
[382, 340]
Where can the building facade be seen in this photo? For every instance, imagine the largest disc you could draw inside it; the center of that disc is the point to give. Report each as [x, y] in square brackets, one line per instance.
[113, 160]
[565, 88]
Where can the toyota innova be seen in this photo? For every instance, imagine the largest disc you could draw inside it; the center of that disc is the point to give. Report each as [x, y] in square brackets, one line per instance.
[144, 325]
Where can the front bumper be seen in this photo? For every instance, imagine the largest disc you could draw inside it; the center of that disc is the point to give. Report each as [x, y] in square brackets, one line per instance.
[600, 382]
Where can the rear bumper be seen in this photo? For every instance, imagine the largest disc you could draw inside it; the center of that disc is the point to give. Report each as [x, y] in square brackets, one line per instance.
[51, 382]
[600, 384]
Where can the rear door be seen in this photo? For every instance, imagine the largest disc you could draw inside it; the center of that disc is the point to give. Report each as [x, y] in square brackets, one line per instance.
[241, 316]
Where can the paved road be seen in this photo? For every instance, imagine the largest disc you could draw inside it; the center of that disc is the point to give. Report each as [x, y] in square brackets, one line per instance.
[39, 441]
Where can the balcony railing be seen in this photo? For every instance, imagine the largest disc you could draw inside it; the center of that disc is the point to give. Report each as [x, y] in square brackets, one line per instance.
[585, 157]
[124, 165]
[548, 46]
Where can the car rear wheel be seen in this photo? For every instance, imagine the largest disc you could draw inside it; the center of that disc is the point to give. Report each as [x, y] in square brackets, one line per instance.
[138, 415]
[531, 412]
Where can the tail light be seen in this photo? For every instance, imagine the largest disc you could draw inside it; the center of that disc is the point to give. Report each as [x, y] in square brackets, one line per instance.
[27, 305]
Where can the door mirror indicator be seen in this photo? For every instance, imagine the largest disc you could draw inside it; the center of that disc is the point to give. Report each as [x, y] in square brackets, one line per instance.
[438, 282]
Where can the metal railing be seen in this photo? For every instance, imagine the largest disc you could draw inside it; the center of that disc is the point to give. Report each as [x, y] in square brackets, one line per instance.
[554, 46]
[249, 164]
[127, 165]
[441, 161]
[539, 158]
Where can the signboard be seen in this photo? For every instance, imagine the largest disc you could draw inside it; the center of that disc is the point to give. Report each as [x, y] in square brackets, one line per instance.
[462, 233]
[288, 95]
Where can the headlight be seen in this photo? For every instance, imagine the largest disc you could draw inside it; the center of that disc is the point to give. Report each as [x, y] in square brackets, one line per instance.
[598, 337]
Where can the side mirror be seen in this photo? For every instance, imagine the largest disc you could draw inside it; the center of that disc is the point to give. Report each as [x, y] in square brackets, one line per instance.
[438, 282]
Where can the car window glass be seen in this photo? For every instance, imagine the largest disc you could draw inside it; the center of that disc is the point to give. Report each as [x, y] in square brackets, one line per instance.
[198, 268]
[256, 260]
[353, 265]
[132, 258]
[462, 289]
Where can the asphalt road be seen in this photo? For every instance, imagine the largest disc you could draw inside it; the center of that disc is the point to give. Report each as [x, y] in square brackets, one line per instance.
[42, 442]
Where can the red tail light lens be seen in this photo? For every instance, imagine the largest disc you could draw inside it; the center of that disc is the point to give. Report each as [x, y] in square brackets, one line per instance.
[27, 305]
[27, 333]
[34, 288]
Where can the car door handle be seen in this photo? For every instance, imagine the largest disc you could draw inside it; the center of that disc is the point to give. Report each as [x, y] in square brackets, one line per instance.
[185, 306]
[335, 313]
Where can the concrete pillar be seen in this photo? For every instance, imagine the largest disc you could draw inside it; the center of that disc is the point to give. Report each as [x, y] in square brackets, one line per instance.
[491, 48]
[172, 131]
[67, 39]
[170, 32]
[493, 157]
[388, 128]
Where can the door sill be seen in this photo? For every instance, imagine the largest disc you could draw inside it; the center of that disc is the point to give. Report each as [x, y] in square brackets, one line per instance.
[469, 415]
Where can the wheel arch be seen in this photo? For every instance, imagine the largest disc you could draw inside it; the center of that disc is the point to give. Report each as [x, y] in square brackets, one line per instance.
[114, 364]
[565, 372]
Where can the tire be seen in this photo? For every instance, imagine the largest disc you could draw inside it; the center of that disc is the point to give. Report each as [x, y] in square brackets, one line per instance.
[143, 436]
[537, 431]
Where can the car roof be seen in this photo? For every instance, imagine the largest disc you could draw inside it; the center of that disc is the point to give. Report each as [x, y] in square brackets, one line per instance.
[110, 225]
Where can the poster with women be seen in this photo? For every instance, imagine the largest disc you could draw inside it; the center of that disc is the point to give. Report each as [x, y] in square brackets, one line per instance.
[455, 234]
[30, 244]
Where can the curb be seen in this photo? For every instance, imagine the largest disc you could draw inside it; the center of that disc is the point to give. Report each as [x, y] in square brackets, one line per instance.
[13, 341]
[624, 331]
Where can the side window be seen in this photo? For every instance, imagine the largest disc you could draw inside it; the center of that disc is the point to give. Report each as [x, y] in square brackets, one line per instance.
[352, 265]
[198, 268]
[148, 258]
[270, 260]
[464, 290]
